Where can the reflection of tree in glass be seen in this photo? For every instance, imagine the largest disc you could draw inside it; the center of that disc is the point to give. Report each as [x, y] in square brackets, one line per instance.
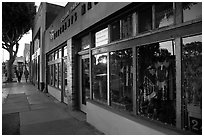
[188, 5]
[192, 66]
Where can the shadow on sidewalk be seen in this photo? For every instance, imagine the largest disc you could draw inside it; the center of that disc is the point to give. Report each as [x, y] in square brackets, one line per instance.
[11, 124]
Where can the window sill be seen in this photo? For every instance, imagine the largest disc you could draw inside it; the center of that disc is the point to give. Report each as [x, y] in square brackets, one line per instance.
[157, 125]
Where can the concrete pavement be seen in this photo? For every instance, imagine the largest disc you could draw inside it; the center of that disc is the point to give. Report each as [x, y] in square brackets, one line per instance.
[40, 113]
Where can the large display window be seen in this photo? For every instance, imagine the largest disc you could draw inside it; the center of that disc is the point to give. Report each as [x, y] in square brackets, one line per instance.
[121, 79]
[100, 77]
[145, 19]
[163, 14]
[156, 81]
[192, 82]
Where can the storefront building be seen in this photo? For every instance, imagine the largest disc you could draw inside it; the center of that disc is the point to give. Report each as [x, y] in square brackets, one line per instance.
[44, 17]
[133, 68]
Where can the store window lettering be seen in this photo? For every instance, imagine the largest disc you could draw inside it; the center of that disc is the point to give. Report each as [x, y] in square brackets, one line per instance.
[156, 83]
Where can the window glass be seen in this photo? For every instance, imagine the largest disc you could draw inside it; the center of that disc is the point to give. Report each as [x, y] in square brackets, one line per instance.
[100, 77]
[50, 57]
[85, 42]
[56, 75]
[53, 56]
[121, 76]
[115, 31]
[65, 78]
[60, 75]
[60, 53]
[52, 76]
[191, 11]
[145, 19]
[156, 82]
[127, 28]
[48, 74]
[101, 37]
[85, 80]
[164, 14]
[192, 82]
[65, 51]
[56, 54]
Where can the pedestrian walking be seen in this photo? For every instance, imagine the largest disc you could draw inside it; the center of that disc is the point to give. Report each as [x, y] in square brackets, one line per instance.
[26, 73]
[20, 73]
[17, 74]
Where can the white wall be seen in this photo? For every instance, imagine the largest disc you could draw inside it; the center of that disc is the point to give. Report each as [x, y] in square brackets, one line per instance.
[54, 92]
[113, 124]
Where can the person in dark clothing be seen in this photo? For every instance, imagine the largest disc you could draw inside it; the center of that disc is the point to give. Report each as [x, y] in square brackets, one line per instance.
[26, 73]
[17, 74]
[20, 73]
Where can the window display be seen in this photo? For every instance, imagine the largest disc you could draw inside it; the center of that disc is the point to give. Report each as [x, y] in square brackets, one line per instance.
[60, 75]
[115, 30]
[100, 77]
[191, 11]
[156, 81]
[192, 82]
[121, 76]
[145, 19]
[164, 14]
[127, 28]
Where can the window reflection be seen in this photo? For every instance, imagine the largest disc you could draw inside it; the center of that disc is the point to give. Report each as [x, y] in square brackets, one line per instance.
[100, 77]
[191, 11]
[121, 79]
[127, 28]
[164, 14]
[85, 42]
[85, 81]
[156, 81]
[56, 75]
[60, 75]
[65, 77]
[192, 81]
[115, 31]
[145, 19]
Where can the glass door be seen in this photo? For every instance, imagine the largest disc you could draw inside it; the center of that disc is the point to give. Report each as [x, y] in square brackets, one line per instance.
[84, 82]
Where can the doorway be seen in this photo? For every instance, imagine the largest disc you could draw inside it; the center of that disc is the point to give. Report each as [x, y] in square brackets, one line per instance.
[84, 81]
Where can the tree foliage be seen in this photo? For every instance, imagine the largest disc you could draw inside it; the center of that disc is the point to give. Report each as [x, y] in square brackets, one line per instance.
[17, 19]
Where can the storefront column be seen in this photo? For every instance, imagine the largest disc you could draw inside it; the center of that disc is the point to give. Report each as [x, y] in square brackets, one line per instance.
[135, 109]
[178, 82]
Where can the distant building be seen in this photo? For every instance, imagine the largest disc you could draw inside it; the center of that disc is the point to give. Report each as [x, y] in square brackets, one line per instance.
[46, 14]
[26, 55]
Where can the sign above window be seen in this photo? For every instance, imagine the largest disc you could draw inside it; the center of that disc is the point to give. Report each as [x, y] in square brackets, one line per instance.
[102, 37]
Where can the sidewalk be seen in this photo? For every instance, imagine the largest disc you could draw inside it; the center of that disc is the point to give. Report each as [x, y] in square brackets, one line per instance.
[28, 111]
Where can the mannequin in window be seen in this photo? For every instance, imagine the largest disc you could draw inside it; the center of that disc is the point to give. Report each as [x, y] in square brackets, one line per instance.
[161, 76]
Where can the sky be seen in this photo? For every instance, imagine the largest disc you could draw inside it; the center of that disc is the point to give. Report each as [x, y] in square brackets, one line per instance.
[27, 37]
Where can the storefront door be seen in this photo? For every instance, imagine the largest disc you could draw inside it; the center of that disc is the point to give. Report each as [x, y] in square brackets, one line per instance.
[84, 82]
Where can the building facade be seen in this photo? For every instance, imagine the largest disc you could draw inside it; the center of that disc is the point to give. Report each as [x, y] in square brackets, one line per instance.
[44, 17]
[133, 68]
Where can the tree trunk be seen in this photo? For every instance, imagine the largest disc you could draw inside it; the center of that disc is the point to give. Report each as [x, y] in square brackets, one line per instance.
[10, 67]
